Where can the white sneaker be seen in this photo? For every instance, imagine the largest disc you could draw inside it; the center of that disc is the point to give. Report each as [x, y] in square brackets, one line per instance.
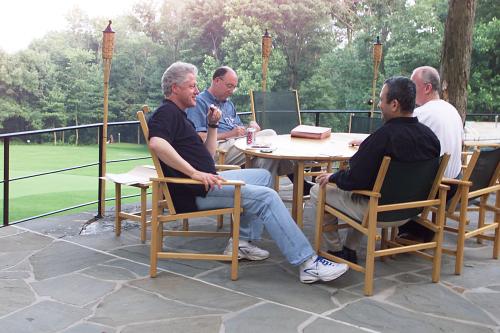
[318, 268]
[246, 250]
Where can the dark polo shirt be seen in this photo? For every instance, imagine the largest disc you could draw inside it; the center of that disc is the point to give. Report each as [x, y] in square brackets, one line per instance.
[403, 139]
[170, 123]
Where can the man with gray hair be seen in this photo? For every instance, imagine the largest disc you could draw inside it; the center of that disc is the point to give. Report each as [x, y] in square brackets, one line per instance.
[444, 120]
[183, 153]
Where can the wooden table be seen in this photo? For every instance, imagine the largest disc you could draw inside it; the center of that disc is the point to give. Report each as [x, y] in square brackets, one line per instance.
[334, 148]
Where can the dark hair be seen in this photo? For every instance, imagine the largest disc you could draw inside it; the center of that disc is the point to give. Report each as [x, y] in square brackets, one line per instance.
[220, 72]
[403, 90]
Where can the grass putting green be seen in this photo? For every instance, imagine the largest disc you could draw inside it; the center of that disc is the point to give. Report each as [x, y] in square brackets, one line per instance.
[42, 194]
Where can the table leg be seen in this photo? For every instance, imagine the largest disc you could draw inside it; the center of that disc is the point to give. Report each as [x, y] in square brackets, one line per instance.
[298, 190]
[248, 161]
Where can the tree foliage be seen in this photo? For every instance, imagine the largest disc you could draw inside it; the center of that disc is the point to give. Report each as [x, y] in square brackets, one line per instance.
[321, 47]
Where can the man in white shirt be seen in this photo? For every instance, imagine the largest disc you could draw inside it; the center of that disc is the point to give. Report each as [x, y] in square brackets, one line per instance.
[445, 121]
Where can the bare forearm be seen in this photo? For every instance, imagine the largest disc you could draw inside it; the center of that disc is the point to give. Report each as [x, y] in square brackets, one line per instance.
[211, 141]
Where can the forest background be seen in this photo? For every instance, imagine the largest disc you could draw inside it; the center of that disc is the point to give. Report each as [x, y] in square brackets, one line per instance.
[322, 48]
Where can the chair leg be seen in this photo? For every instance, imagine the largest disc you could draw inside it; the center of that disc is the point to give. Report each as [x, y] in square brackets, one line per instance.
[383, 243]
[118, 209]
[370, 249]
[277, 183]
[144, 203]
[220, 221]
[185, 224]
[155, 231]
[459, 260]
[496, 244]
[482, 212]
[236, 233]
[438, 238]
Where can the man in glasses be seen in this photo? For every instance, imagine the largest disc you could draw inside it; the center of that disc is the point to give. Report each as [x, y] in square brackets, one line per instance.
[224, 83]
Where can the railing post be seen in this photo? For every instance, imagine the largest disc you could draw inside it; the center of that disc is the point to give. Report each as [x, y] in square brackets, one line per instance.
[6, 142]
[100, 174]
[316, 121]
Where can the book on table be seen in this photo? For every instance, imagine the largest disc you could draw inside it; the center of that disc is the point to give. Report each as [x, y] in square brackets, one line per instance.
[311, 132]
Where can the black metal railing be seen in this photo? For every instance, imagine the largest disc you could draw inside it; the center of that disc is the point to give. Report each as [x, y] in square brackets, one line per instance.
[7, 137]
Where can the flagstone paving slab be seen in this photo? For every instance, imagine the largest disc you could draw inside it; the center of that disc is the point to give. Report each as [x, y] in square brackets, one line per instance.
[43, 317]
[73, 289]
[130, 305]
[440, 301]
[185, 325]
[89, 328]
[384, 317]
[62, 257]
[109, 273]
[488, 301]
[14, 295]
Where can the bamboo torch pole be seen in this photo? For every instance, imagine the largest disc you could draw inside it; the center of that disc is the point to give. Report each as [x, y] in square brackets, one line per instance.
[266, 52]
[108, 43]
[377, 58]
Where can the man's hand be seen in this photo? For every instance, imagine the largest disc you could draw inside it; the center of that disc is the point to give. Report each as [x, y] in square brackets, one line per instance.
[237, 131]
[254, 124]
[323, 179]
[208, 179]
[213, 114]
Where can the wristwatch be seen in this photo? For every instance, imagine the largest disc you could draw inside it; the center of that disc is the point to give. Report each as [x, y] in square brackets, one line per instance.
[213, 125]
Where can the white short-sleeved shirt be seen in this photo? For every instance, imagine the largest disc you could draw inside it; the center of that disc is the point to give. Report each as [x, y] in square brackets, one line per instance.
[444, 120]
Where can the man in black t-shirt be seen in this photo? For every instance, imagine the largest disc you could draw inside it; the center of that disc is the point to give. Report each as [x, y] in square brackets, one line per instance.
[401, 137]
[184, 154]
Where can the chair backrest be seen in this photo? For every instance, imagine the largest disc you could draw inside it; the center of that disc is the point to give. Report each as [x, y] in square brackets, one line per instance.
[410, 181]
[487, 169]
[277, 110]
[156, 161]
[364, 124]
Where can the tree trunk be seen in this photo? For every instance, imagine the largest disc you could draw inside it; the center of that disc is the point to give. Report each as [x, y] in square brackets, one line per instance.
[456, 53]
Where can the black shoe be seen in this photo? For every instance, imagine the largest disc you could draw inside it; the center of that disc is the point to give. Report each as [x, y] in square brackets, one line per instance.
[346, 254]
[307, 187]
[414, 231]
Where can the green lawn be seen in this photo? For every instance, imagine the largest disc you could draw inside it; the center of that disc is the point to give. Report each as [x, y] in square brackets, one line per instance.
[34, 196]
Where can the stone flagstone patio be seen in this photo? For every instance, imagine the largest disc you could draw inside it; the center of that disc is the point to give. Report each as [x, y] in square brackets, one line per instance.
[60, 274]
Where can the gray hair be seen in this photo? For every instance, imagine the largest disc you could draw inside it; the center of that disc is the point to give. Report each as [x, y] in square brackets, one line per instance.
[430, 75]
[176, 74]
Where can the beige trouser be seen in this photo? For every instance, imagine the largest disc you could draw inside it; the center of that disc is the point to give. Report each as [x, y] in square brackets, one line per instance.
[237, 157]
[352, 205]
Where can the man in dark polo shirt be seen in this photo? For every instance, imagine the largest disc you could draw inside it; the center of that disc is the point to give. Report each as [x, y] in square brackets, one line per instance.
[184, 154]
[401, 137]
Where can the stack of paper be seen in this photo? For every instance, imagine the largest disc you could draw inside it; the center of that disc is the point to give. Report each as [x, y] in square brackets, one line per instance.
[311, 132]
[138, 175]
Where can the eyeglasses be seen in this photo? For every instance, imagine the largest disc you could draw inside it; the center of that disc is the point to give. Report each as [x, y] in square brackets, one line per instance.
[228, 85]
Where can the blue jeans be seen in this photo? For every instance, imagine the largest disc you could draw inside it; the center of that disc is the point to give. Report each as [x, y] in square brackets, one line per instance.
[262, 207]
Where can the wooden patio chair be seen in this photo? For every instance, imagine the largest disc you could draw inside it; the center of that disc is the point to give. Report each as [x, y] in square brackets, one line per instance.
[394, 198]
[161, 198]
[480, 179]
[364, 124]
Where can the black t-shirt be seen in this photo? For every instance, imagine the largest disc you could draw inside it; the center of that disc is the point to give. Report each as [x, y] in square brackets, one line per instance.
[171, 124]
[403, 139]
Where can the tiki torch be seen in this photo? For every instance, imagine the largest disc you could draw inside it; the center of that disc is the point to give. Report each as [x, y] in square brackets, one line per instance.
[377, 58]
[108, 43]
[266, 52]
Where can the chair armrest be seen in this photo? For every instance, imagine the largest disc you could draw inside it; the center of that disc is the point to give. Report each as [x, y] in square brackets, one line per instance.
[453, 181]
[363, 192]
[222, 167]
[367, 193]
[174, 180]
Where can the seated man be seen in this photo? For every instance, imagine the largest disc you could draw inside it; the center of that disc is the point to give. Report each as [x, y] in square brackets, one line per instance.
[224, 82]
[444, 120]
[401, 137]
[184, 154]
